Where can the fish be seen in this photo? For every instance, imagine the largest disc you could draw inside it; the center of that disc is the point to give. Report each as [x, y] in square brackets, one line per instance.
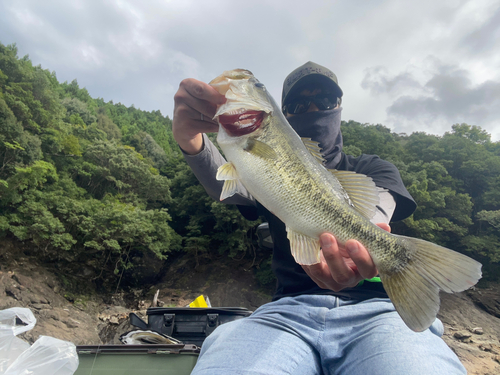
[141, 337]
[286, 175]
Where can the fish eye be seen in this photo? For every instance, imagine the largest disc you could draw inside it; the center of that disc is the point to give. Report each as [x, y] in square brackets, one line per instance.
[259, 85]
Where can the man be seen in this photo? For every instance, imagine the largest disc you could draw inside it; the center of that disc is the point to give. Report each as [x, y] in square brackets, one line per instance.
[324, 318]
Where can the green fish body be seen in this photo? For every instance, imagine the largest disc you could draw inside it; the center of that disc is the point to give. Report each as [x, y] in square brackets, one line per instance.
[285, 174]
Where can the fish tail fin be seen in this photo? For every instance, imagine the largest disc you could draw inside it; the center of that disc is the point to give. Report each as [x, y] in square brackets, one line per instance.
[414, 289]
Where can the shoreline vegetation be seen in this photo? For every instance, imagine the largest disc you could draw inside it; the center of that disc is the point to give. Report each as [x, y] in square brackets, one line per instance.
[104, 186]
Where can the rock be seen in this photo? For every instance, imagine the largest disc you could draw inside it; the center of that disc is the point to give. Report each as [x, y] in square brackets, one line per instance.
[55, 315]
[71, 323]
[12, 291]
[490, 348]
[114, 320]
[488, 300]
[462, 336]
[477, 330]
[22, 280]
[40, 306]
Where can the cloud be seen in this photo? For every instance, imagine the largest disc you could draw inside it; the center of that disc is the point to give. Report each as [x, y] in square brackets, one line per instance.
[484, 37]
[447, 95]
[378, 81]
[137, 52]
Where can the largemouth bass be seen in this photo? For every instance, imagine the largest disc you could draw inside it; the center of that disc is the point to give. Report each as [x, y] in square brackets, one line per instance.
[285, 174]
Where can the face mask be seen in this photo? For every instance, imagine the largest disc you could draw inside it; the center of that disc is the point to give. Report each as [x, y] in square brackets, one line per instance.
[322, 127]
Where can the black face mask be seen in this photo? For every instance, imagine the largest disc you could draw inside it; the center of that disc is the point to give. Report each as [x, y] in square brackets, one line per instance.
[322, 127]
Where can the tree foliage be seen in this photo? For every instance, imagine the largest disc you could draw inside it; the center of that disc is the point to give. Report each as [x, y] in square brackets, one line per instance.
[70, 184]
[100, 184]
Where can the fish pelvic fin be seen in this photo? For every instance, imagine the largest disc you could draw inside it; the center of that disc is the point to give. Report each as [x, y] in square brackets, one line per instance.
[361, 190]
[414, 290]
[305, 250]
[227, 173]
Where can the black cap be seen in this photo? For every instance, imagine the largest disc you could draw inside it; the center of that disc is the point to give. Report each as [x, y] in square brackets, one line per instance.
[310, 73]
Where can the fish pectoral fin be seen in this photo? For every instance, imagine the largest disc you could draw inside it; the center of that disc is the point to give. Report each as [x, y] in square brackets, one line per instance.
[414, 289]
[227, 173]
[260, 149]
[314, 149]
[362, 191]
[305, 250]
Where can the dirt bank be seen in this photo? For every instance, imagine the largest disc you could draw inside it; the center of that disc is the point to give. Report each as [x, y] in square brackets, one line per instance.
[471, 319]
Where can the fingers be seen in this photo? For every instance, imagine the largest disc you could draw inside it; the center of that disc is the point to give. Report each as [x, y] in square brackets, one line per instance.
[340, 270]
[195, 105]
[195, 98]
[385, 227]
[202, 91]
[362, 259]
[333, 271]
[342, 266]
[320, 274]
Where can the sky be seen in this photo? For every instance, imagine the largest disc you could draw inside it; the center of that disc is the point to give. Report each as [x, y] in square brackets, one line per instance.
[408, 65]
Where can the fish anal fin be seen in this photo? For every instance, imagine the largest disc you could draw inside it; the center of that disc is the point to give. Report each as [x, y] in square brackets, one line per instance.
[361, 190]
[414, 289]
[260, 149]
[305, 250]
[313, 148]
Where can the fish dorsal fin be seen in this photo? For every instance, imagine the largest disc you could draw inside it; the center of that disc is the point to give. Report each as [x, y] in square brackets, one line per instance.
[314, 149]
[227, 173]
[305, 250]
[361, 190]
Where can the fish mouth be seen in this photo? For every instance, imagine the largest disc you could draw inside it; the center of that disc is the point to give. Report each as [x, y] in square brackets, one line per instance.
[241, 123]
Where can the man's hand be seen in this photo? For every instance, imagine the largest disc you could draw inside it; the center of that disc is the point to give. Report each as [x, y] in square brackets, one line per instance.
[342, 266]
[195, 105]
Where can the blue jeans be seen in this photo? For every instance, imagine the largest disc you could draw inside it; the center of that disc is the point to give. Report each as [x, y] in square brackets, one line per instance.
[316, 334]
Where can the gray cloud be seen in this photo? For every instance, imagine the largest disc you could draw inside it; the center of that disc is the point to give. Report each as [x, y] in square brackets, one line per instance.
[378, 81]
[484, 39]
[450, 97]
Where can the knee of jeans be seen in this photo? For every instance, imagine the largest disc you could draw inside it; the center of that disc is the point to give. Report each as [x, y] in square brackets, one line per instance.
[221, 330]
[437, 328]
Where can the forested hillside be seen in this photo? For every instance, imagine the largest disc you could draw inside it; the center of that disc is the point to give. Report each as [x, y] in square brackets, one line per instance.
[104, 186]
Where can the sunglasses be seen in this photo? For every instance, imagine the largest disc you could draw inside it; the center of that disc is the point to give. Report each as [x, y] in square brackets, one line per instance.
[301, 104]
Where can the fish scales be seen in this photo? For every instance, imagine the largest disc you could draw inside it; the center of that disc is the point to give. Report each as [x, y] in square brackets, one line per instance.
[279, 170]
[307, 197]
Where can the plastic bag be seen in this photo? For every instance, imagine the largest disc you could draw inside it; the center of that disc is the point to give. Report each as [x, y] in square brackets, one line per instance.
[47, 356]
[11, 346]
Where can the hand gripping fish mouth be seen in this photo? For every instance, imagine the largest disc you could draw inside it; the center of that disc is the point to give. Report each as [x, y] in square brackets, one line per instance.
[246, 104]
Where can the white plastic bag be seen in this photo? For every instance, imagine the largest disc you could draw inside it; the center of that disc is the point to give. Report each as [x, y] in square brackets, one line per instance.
[47, 356]
[11, 346]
